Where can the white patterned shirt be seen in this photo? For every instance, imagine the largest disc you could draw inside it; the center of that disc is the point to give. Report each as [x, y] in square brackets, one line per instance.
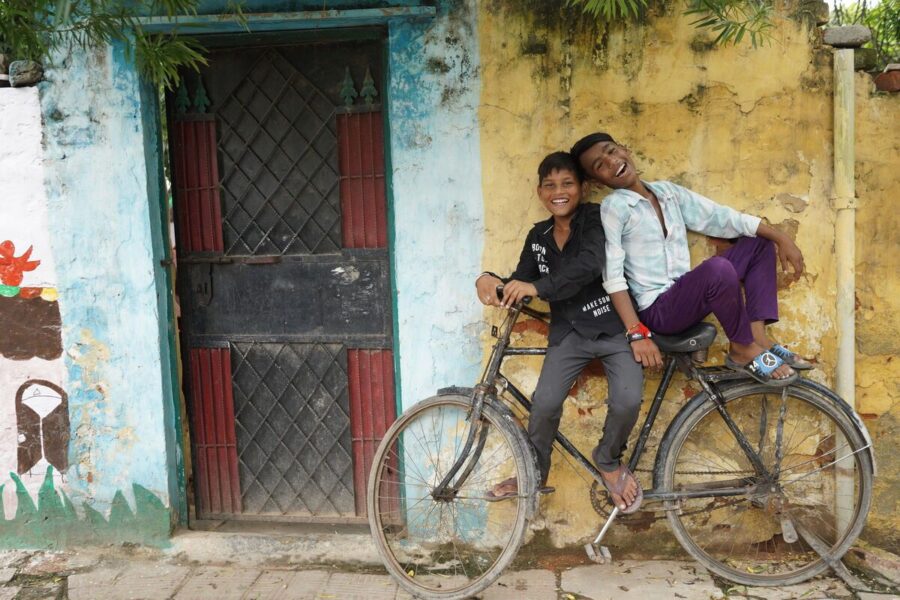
[639, 257]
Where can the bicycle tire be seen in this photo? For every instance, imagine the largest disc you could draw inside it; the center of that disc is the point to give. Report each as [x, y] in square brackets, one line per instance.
[409, 547]
[815, 403]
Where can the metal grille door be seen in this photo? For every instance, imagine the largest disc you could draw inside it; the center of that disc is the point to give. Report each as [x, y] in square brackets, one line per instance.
[300, 279]
[293, 428]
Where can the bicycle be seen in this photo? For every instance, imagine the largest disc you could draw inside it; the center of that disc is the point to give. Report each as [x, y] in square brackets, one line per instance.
[761, 485]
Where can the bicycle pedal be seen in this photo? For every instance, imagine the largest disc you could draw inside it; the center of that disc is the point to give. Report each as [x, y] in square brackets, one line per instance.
[598, 554]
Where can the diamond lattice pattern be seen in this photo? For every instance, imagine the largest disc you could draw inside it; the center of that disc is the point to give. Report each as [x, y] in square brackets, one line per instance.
[280, 178]
[293, 428]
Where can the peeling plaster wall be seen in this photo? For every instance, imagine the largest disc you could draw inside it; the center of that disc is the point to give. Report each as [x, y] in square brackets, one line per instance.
[878, 298]
[751, 128]
[101, 227]
[437, 210]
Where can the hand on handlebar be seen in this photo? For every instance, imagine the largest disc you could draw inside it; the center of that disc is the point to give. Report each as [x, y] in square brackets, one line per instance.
[516, 290]
[487, 286]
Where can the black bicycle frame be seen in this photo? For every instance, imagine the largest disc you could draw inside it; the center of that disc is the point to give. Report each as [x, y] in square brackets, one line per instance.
[669, 368]
[707, 377]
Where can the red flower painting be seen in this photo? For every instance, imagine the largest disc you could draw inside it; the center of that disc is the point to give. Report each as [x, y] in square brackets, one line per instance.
[12, 267]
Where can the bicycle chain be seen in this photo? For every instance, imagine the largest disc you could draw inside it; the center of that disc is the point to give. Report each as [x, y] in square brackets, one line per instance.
[748, 471]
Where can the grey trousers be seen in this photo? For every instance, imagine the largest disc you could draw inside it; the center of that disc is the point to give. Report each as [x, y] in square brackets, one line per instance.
[562, 365]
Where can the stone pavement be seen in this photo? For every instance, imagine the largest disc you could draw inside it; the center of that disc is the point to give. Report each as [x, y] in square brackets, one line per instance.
[313, 563]
[135, 575]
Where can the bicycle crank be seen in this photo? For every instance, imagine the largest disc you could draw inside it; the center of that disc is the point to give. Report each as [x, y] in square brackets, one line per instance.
[603, 506]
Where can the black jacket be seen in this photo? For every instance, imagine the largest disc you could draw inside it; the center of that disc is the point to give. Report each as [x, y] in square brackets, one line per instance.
[571, 280]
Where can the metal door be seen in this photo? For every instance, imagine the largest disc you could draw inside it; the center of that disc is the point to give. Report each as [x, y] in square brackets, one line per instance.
[283, 276]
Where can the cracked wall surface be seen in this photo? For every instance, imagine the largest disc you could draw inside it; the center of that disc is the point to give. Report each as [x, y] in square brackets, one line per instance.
[751, 128]
[437, 209]
[878, 299]
[96, 212]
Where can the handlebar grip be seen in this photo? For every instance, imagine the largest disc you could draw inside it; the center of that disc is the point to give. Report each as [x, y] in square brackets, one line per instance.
[525, 300]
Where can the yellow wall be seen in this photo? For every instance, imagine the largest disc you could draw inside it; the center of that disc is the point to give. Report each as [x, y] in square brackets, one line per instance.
[878, 298]
[751, 128]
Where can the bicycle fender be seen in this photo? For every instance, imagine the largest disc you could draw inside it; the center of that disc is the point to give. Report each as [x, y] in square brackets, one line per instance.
[854, 416]
[694, 404]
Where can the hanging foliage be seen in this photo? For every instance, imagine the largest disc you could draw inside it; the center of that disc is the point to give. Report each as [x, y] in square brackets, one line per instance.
[882, 19]
[39, 29]
[732, 21]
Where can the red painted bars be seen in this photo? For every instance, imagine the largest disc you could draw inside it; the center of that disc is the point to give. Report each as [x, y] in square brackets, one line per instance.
[363, 205]
[197, 185]
[370, 374]
[215, 445]
[364, 225]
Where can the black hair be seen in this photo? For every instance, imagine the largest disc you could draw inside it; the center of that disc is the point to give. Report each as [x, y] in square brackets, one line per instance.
[587, 142]
[560, 161]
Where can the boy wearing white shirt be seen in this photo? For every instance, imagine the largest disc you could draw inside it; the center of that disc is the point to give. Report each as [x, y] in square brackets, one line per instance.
[646, 227]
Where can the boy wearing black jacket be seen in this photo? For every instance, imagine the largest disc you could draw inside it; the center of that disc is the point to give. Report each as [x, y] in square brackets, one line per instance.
[561, 263]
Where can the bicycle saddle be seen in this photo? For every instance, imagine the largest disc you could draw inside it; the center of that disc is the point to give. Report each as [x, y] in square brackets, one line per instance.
[698, 337]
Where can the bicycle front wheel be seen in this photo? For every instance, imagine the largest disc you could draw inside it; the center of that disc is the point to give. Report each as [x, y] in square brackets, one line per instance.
[813, 500]
[454, 546]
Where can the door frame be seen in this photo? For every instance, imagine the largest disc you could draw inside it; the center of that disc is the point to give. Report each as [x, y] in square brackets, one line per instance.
[292, 28]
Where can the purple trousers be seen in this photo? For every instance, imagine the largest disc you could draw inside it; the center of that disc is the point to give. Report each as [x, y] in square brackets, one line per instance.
[714, 286]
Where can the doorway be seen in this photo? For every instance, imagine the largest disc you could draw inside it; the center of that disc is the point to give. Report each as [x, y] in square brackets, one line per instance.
[277, 161]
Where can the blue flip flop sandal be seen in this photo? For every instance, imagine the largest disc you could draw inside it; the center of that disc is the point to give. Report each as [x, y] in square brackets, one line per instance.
[761, 368]
[792, 360]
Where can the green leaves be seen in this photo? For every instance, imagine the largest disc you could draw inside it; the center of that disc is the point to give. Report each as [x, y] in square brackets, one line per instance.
[882, 19]
[37, 29]
[611, 10]
[733, 20]
[160, 56]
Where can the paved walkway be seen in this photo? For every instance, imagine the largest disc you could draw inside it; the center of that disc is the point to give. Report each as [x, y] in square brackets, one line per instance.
[86, 576]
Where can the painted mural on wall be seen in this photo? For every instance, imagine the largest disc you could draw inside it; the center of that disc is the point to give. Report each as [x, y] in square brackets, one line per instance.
[34, 406]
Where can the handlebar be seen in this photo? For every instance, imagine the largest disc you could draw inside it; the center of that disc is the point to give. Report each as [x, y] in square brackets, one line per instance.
[522, 306]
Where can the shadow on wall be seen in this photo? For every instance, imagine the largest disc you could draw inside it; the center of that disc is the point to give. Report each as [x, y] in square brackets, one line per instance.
[53, 522]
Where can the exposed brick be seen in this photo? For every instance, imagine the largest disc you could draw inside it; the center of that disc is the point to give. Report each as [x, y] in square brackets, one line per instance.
[888, 82]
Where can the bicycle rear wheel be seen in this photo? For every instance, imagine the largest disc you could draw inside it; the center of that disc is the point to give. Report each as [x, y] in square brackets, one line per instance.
[453, 547]
[816, 499]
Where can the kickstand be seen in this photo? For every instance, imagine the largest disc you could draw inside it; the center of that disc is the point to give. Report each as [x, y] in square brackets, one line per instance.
[597, 553]
[839, 568]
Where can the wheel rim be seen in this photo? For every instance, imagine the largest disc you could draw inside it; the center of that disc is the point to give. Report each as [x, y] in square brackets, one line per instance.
[818, 493]
[444, 545]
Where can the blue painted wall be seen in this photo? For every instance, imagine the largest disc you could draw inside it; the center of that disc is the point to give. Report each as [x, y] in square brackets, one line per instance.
[103, 189]
[104, 186]
[438, 212]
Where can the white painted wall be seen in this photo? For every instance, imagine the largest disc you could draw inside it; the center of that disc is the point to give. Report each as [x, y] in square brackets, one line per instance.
[23, 221]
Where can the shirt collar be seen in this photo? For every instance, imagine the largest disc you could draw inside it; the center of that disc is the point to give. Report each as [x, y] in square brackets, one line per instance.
[662, 194]
[545, 227]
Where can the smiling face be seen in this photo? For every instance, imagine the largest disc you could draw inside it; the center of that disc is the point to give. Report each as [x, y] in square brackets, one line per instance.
[560, 192]
[610, 164]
